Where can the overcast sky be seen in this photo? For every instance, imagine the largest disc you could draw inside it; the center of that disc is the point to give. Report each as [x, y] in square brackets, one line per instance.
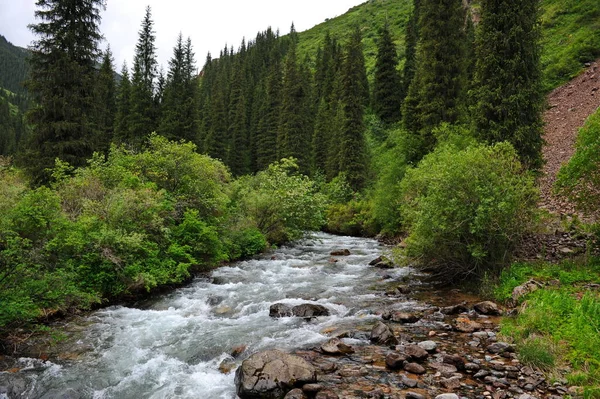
[210, 24]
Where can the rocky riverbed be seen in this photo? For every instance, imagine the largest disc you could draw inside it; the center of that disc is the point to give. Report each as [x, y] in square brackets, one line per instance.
[352, 330]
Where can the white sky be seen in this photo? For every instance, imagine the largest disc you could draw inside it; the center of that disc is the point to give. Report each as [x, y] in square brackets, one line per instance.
[210, 24]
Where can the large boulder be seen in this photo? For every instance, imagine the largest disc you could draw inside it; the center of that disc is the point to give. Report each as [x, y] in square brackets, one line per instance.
[308, 310]
[271, 374]
[280, 310]
[487, 308]
[383, 335]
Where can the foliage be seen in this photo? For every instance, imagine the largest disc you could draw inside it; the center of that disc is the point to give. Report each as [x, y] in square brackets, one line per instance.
[280, 203]
[465, 209]
[352, 218]
[435, 92]
[580, 178]
[508, 96]
[560, 322]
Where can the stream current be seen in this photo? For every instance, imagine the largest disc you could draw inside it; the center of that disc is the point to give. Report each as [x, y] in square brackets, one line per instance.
[172, 347]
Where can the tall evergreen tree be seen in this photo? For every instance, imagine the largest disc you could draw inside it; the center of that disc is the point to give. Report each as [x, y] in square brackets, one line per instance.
[387, 86]
[266, 146]
[508, 95]
[62, 76]
[123, 107]
[353, 152]
[171, 123]
[142, 119]
[436, 89]
[410, 56]
[239, 150]
[105, 101]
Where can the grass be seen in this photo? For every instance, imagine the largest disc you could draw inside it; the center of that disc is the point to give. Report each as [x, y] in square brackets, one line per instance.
[560, 324]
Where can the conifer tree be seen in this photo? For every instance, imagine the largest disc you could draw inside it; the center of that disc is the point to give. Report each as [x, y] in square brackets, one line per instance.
[387, 86]
[171, 113]
[411, 40]
[508, 95]
[64, 56]
[266, 140]
[142, 119]
[353, 152]
[239, 151]
[121, 128]
[105, 101]
[436, 90]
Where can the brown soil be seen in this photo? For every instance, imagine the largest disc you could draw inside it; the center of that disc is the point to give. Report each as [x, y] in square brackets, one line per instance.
[569, 106]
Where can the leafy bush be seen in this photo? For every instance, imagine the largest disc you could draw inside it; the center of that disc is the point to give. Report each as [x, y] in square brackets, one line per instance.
[354, 218]
[466, 209]
[281, 203]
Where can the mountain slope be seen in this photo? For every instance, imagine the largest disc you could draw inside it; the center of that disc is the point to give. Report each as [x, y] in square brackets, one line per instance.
[13, 66]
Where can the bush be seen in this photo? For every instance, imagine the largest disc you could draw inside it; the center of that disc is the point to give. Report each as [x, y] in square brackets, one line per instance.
[354, 218]
[466, 209]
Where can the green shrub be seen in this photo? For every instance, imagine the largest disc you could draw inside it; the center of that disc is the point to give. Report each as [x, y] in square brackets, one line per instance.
[281, 203]
[466, 209]
[354, 218]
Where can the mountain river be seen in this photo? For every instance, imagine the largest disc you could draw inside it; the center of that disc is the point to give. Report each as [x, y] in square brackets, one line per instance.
[172, 346]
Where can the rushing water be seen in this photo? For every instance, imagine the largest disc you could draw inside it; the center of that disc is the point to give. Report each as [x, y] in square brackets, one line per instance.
[173, 347]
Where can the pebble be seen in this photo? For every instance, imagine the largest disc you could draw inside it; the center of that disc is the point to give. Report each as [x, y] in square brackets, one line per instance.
[447, 396]
[429, 346]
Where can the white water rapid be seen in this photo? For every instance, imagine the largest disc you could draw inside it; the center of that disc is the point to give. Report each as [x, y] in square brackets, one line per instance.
[172, 348]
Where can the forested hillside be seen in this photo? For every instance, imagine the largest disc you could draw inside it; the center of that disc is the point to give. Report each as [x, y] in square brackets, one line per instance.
[13, 66]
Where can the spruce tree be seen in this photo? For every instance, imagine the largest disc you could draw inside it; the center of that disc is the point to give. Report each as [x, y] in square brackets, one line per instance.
[171, 123]
[239, 150]
[62, 77]
[410, 56]
[435, 93]
[266, 140]
[142, 119]
[105, 101]
[353, 151]
[121, 128]
[387, 86]
[508, 95]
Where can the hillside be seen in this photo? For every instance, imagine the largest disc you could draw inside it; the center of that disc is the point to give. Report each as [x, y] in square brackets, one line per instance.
[570, 33]
[13, 66]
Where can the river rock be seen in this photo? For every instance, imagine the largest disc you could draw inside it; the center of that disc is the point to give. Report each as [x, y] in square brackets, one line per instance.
[382, 262]
[226, 366]
[271, 374]
[524, 289]
[500, 347]
[336, 347]
[456, 360]
[429, 346]
[415, 352]
[454, 309]
[447, 396]
[383, 335]
[414, 368]
[309, 310]
[447, 370]
[312, 388]
[450, 383]
[238, 350]
[409, 382]
[414, 395]
[395, 360]
[295, 394]
[488, 308]
[340, 252]
[465, 325]
[404, 317]
[327, 395]
[280, 310]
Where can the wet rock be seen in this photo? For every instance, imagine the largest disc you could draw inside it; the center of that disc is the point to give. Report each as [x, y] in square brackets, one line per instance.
[487, 308]
[450, 383]
[238, 350]
[280, 310]
[404, 317]
[336, 347]
[312, 388]
[404, 289]
[12, 385]
[308, 310]
[465, 325]
[383, 335]
[481, 374]
[226, 366]
[295, 394]
[340, 252]
[415, 352]
[472, 367]
[409, 382]
[455, 309]
[327, 395]
[445, 369]
[395, 360]
[414, 395]
[455, 360]
[414, 368]
[447, 396]
[382, 262]
[214, 300]
[500, 347]
[526, 396]
[429, 346]
[271, 374]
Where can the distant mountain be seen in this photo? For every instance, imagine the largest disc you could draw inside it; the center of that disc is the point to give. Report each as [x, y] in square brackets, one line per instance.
[13, 66]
